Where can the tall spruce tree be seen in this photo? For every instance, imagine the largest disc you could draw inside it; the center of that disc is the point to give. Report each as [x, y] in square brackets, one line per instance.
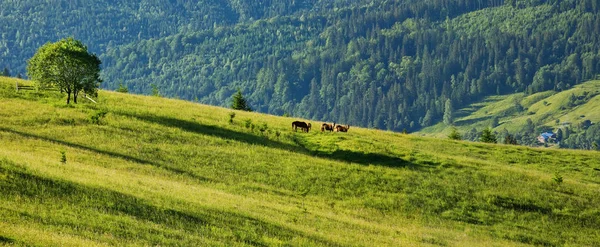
[448, 112]
[239, 102]
[559, 135]
[488, 136]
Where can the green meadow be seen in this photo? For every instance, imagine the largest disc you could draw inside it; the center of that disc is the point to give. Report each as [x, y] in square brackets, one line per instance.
[549, 108]
[139, 170]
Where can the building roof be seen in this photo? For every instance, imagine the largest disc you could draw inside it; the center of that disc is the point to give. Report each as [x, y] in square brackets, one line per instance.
[547, 135]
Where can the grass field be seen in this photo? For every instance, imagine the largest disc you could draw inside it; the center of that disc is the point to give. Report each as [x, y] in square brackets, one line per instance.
[543, 108]
[139, 170]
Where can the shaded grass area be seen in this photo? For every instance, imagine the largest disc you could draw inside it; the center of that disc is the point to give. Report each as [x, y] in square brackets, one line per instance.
[230, 227]
[301, 147]
[6, 240]
[108, 153]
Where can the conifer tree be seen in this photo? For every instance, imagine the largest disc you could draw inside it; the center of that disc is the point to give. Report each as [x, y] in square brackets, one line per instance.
[488, 136]
[239, 102]
[122, 88]
[448, 112]
[510, 139]
[559, 135]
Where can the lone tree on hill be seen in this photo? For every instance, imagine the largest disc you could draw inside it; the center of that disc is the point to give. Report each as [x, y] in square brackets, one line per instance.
[239, 103]
[68, 65]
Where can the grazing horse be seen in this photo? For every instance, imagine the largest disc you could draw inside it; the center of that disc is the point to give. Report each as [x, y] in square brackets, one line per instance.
[326, 126]
[341, 128]
[297, 124]
[302, 125]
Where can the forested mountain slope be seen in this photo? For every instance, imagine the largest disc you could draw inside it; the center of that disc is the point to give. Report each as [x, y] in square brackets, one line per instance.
[384, 64]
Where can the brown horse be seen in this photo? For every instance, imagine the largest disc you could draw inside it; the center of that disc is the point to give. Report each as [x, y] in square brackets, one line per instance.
[326, 126]
[302, 125]
[341, 128]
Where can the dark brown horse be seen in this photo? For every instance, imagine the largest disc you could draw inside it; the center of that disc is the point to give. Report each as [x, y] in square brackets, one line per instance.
[341, 128]
[302, 125]
[326, 126]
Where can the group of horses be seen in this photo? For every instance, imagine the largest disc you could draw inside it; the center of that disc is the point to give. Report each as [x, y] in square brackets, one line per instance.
[331, 127]
[305, 127]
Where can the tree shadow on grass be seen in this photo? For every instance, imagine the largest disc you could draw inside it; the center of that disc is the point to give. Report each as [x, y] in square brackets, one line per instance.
[223, 133]
[6, 240]
[369, 158]
[198, 128]
[107, 153]
[193, 218]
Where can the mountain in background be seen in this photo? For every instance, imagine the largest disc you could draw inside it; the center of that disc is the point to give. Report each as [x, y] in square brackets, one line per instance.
[385, 64]
[570, 114]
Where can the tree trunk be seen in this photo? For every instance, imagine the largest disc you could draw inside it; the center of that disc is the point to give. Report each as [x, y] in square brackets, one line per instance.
[68, 96]
[75, 97]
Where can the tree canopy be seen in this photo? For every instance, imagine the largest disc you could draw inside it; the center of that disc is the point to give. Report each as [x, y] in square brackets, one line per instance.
[67, 65]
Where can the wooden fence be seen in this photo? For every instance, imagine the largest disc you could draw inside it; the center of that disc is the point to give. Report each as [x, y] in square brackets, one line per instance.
[25, 87]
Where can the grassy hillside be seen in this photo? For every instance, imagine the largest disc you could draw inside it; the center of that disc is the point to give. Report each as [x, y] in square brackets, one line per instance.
[156, 171]
[513, 110]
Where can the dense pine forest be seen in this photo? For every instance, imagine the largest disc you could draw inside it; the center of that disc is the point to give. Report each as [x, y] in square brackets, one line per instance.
[401, 64]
